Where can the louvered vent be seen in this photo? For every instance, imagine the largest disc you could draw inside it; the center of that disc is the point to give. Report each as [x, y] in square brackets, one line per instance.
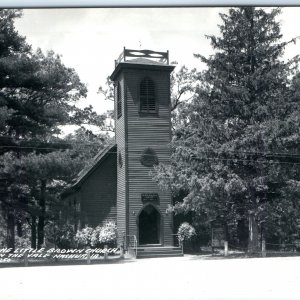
[119, 100]
[147, 96]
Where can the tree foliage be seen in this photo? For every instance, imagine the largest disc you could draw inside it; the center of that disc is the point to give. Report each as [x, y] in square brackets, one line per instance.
[236, 143]
[38, 96]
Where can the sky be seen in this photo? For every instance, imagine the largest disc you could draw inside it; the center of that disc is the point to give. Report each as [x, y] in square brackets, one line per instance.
[90, 39]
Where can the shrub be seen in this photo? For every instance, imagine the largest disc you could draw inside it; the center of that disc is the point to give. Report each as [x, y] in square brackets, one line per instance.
[99, 236]
[84, 236]
[185, 232]
[63, 236]
[106, 234]
[22, 242]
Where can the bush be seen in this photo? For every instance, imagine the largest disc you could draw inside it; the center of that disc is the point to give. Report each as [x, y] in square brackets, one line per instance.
[23, 241]
[185, 232]
[107, 234]
[99, 236]
[62, 236]
[84, 236]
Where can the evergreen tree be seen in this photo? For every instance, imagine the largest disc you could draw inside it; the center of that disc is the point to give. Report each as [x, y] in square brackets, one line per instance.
[236, 144]
[41, 177]
[38, 95]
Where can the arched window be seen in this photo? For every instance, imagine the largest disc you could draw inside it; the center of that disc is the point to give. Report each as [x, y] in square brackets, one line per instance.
[147, 96]
[119, 100]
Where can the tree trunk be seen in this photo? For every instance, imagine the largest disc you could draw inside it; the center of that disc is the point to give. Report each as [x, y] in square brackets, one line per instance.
[41, 220]
[11, 230]
[253, 243]
[19, 229]
[226, 232]
[242, 232]
[33, 232]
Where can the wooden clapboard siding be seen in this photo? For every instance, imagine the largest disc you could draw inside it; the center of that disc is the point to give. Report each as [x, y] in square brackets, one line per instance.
[120, 139]
[91, 200]
[98, 194]
[147, 131]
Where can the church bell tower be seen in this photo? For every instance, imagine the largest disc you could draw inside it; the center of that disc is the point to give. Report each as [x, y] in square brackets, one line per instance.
[143, 134]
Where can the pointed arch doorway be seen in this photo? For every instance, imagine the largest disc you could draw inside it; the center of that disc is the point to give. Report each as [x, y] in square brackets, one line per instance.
[149, 225]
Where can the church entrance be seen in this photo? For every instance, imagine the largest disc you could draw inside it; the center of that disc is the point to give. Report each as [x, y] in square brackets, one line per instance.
[149, 226]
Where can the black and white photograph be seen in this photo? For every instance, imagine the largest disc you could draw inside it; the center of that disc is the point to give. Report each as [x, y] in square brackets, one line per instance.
[150, 153]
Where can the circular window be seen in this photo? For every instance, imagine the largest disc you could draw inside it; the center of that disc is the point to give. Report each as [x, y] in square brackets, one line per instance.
[149, 158]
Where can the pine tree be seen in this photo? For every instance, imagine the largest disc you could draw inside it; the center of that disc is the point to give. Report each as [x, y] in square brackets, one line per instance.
[38, 95]
[236, 142]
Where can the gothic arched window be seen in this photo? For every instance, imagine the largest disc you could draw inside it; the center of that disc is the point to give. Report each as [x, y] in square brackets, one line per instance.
[119, 100]
[147, 96]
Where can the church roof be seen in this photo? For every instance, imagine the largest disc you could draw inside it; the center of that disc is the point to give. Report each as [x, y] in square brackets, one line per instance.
[82, 175]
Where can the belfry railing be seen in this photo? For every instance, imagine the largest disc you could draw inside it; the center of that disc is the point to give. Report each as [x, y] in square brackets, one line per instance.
[162, 57]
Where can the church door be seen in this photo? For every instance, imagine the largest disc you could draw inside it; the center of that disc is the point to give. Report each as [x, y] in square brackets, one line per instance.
[149, 226]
